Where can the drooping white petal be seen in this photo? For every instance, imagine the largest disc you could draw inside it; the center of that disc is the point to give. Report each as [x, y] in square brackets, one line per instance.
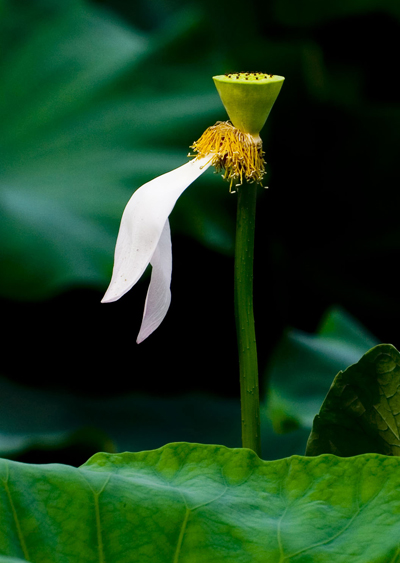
[142, 223]
[159, 294]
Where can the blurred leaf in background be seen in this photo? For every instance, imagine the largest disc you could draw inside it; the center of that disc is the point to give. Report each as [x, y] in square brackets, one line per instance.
[304, 366]
[49, 425]
[87, 116]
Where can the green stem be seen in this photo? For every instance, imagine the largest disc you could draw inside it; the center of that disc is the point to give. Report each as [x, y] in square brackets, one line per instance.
[247, 349]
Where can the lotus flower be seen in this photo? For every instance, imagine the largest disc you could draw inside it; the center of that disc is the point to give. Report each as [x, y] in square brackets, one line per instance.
[144, 235]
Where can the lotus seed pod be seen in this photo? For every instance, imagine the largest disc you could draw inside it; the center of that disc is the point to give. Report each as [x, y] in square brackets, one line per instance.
[248, 98]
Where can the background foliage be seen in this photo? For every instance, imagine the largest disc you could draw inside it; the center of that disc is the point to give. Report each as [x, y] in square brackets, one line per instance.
[97, 98]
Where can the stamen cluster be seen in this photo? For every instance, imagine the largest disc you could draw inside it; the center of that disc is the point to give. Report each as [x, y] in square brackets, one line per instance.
[238, 154]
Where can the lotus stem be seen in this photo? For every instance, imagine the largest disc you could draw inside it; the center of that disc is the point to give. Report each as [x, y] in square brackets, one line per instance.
[246, 338]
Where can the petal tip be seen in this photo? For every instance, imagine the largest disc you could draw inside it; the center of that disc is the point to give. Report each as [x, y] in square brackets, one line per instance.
[110, 297]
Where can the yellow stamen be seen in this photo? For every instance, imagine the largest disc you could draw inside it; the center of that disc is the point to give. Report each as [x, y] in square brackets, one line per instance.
[239, 154]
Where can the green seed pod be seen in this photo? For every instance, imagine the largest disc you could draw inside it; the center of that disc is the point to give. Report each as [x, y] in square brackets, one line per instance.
[248, 98]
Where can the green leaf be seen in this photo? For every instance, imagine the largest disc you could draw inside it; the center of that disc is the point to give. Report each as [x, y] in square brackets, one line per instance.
[361, 412]
[195, 503]
[304, 365]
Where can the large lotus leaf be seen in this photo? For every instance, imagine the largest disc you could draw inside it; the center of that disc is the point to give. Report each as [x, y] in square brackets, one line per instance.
[88, 114]
[361, 412]
[195, 503]
[303, 366]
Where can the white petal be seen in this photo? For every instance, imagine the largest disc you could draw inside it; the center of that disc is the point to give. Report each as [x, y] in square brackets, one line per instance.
[159, 294]
[142, 222]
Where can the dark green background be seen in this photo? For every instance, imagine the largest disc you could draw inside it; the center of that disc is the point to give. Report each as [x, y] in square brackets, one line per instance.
[327, 228]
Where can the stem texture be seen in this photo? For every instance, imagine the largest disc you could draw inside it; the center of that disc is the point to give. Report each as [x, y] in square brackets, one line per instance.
[247, 348]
